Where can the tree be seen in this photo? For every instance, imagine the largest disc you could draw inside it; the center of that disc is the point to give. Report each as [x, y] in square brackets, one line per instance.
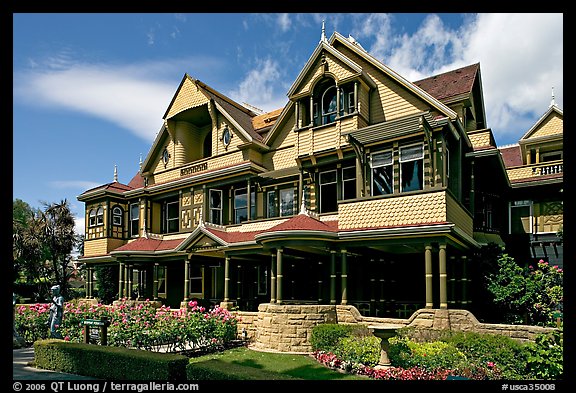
[527, 295]
[43, 244]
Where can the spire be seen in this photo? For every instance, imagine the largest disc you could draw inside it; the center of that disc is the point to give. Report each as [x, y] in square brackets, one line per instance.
[303, 209]
[323, 36]
[552, 102]
[140, 164]
[115, 173]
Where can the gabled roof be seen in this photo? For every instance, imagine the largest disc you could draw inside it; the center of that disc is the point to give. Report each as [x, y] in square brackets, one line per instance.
[304, 222]
[143, 244]
[551, 109]
[114, 187]
[450, 84]
[394, 75]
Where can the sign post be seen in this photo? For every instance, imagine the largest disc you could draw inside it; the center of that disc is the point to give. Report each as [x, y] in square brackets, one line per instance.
[102, 325]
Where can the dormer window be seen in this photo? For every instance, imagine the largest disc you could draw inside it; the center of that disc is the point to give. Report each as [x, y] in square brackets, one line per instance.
[329, 102]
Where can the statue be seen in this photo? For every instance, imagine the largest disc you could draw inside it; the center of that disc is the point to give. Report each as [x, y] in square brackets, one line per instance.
[56, 312]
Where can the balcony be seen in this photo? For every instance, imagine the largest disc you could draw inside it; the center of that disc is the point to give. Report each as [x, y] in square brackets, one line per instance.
[533, 171]
[421, 209]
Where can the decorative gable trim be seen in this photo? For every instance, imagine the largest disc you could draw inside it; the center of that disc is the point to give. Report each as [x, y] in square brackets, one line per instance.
[534, 128]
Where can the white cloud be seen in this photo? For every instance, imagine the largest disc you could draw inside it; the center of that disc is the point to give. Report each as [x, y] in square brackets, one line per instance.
[520, 56]
[259, 87]
[132, 96]
[284, 22]
[79, 225]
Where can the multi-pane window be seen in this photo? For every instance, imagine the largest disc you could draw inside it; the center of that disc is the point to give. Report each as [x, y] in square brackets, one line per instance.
[286, 202]
[328, 191]
[92, 218]
[349, 183]
[241, 205]
[382, 173]
[134, 219]
[196, 281]
[329, 104]
[411, 168]
[216, 207]
[271, 210]
[117, 216]
[171, 216]
[100, 216]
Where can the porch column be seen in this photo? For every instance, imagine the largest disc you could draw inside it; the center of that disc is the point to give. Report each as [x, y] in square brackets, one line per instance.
[186, 279]
[120, 280]
[279, 253]
[442, 272]
[227, 279]
[332, 277]
[155, 286]
[126, 283]
[344, 276]
[273, 279]
[464, 281]
[320, 282]
[238, 284]
[373, 269]
[428, 269]
[129, 266]
[89, 283]
[249, 200]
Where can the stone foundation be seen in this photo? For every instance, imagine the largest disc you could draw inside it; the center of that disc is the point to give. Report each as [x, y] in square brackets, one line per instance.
[288, 328]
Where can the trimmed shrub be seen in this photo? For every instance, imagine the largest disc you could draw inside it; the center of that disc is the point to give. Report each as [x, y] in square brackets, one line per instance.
[108, 362]
[435, 355]
[325, 336]
[363, 350]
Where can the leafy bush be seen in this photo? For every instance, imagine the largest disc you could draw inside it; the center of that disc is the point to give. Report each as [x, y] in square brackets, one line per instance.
[431, 356]
[325, 336]
[355, 350]
[545, 357]
[483, 349]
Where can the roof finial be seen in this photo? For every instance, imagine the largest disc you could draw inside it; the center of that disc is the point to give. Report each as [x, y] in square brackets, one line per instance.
[115, 173]
[303, 209]
[323, 36]
[140, 165]
[552, 102]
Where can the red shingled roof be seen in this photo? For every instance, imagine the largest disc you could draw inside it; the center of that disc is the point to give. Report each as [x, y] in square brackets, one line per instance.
[144, 244]
[450, 84]
[137, 181]
[511, 155]
[114, 187]
[233, 237]
[303, 222]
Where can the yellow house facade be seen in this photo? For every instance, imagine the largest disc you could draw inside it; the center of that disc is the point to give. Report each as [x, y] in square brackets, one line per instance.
[366, 189]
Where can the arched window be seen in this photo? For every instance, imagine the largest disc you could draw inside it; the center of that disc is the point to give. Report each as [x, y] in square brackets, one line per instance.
[207, 148]
[92, 218]
[117, 216]
[326, 108]
[100, 216]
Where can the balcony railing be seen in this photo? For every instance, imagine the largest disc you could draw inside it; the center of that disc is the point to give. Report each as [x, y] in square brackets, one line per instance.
[533, 170]
[549, 169]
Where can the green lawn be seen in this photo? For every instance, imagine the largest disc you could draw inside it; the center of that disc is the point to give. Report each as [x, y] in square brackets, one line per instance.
[245, 363]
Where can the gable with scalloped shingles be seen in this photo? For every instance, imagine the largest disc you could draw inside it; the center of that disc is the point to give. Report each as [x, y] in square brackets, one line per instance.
[335, 67]
[552, 125]
[188, 96]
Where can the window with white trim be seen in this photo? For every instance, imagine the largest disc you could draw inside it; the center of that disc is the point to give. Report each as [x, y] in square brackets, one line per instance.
[92, 218]
[382, 173]
[412, 168]
[134, 220]
[241, 205]
[170, 212]
[117, 215]
[215, 197]
[100, 216]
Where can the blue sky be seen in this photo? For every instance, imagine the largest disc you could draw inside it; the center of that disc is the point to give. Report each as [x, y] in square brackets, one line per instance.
[90, 89]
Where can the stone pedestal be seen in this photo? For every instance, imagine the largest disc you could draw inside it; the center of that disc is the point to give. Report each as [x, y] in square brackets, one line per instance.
[384, 332]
